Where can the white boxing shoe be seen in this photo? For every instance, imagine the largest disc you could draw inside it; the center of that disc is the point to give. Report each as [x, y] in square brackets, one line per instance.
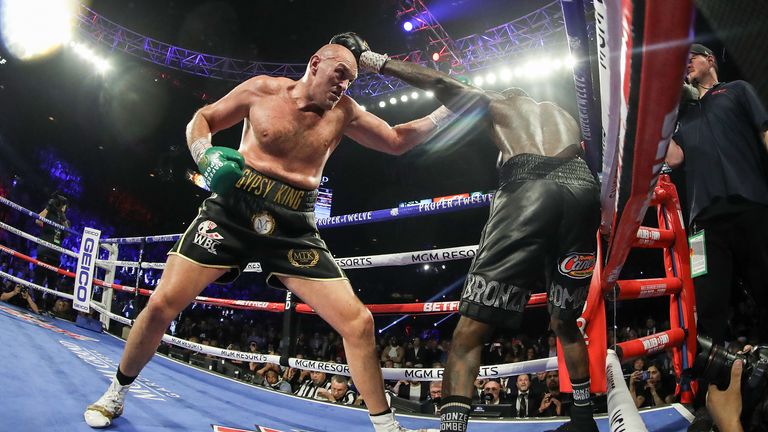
[109, 406]
[387, 423]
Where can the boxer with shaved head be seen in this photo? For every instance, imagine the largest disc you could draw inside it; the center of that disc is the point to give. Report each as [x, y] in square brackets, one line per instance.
[261, 210]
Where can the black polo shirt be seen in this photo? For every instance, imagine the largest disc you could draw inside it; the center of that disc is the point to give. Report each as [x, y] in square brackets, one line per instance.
[725, 155]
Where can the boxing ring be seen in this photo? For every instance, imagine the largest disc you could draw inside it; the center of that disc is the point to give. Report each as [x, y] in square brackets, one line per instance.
[55, 357]
[54, 369]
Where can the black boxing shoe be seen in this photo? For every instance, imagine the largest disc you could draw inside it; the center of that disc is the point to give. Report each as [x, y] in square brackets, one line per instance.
[580, 426]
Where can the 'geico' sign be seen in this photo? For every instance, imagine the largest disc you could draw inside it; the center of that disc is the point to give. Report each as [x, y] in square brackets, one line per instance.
[89, 247]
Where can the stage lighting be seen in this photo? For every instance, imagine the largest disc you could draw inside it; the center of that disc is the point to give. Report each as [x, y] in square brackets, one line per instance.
[490, 78]
[407, 26]
[505, 74]
[382, 104]
[392, 101]
[435, 56]
[404, 98]
[429, 93]
[479, 81]
[33, 28]
[414, 95]
[88, 55]
[570, 62]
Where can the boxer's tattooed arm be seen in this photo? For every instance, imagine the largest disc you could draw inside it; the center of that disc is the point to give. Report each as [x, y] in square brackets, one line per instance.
[453, 93]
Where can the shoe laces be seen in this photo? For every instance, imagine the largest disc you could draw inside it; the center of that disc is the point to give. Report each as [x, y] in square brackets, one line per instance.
[114, 397]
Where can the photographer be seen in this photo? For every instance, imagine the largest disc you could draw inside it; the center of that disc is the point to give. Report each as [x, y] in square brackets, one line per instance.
[21, 297]
[652, 392]
[56, 211]
[742, 405]
[725, 406]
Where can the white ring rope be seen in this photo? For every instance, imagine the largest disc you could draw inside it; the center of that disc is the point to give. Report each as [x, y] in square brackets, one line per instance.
[28, 212]
[413, 374]
[395, 259]
[30, 237]
[29, 284]
[149, 239]
[370, 261]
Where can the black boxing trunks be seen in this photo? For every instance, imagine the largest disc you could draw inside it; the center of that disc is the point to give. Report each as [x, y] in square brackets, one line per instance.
[540, 233]
[262, 219]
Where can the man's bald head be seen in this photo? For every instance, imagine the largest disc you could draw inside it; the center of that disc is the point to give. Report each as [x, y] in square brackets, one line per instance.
[335, 51]
[338, 54]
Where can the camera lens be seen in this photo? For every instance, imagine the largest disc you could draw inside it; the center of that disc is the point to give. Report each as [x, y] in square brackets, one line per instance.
[713, 362]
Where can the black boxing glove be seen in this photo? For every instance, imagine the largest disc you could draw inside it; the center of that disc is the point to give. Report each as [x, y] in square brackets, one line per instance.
[351, 41]
[367, 60]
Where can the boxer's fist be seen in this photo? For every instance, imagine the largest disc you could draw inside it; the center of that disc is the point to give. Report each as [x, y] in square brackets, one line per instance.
[351, 41]
[221, 167]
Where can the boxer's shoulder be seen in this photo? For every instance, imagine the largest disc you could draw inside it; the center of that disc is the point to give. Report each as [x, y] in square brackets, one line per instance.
[266, 85]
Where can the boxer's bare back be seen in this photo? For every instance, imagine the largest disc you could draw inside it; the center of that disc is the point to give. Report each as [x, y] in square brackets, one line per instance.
[521, 125]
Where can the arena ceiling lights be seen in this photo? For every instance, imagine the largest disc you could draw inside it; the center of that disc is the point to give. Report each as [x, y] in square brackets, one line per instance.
[34, 28]
[536, 69]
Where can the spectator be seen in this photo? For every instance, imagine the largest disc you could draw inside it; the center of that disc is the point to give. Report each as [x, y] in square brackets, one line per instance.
[445, 350]
[493, 353]
[552, 401]
[524, 400]
[389, 384]
[411, 390]
[63, 309]
[530, 353]
[477, 395]
[432, 404]
[492, 394]
[638, 365]
[253, 347]
[650, 327]
[433, 353]
[652, 392]
[539, 383]
[551, 345]
[272, 380]
[416, 353]
[295, 377]
[339, 391]
[394, 351]
[308, 389]
[316, 345]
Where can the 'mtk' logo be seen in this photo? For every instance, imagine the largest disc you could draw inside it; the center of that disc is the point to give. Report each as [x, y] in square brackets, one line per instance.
[303, 257]
[577, 265]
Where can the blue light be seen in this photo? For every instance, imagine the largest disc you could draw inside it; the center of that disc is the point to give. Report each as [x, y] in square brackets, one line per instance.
[407, 26]
[444, 291]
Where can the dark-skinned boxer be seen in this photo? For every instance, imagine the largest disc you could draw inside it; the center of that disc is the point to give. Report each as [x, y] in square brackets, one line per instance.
[540, 232]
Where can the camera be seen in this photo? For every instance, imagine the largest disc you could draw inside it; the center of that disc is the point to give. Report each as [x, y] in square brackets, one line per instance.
[713, 363]
[644, 375]
[57, 201]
